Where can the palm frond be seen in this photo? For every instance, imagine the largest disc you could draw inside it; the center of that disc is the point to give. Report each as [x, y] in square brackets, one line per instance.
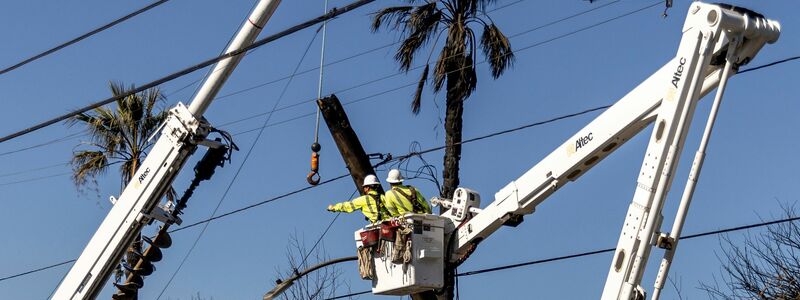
[391, 17]
[87, 164]
[417, 102]
[497, 49]
[421, 25]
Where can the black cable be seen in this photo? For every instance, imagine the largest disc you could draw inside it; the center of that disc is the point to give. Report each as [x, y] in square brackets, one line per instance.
[54, 141]
[332, 14]
[348, 295]
[769, 64]
[34, 169]
[37, 270]
[82, 37]
[365, 98]
[541, 261]
[534, 262]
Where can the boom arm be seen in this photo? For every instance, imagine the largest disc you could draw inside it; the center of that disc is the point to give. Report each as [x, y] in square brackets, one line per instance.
[184, 129]
[713, 36]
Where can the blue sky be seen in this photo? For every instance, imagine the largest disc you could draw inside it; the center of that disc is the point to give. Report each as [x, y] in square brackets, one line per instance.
[749, 171]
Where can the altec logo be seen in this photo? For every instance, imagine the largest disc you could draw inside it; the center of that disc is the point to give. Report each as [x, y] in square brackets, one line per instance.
[579, 143]
[144, 175]
[677, 76]
[582, 141]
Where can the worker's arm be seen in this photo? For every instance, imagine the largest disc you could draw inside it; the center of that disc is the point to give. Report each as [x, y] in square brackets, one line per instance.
[348, 206]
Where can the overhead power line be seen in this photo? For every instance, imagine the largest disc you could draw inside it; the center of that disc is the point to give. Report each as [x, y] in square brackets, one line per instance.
[82, 37]
[299, 117]
[307, 71]
[334, 179]
[594, 252]
[332, 14]
[505, 267]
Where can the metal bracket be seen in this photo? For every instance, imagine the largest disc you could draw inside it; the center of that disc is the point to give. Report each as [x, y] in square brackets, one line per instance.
[664, 241]
[164, 215]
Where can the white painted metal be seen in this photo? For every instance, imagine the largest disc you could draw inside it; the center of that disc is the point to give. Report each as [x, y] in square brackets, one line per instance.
[426, 269]
[670, 242]
[223, 69]
[126, 218]
[464, 205]
[668, 98]
[182, 132]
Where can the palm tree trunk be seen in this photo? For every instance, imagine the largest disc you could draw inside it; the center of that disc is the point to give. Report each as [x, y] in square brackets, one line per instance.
[452, 155]
[452, 124]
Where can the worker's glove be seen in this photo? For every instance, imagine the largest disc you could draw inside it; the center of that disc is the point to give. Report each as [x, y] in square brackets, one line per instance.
[330, 207]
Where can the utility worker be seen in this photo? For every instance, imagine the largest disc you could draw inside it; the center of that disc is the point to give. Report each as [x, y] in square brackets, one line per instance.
[403, 199]
[371, 203]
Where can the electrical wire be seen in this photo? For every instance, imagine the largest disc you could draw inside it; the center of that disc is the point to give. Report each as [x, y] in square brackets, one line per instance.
[538, 27]
[82, 37]
[778, 62]
[256, 44]
[34, 169]
[594, 252]
[239, 169]
[505, 267]
[439, 148]
[398, 158]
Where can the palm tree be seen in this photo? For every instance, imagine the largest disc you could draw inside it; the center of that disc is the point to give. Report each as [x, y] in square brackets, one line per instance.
[118, 136]
[455, 66]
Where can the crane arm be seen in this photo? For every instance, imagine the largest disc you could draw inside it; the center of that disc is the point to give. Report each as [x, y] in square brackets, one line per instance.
[713, 36]
[184, 129]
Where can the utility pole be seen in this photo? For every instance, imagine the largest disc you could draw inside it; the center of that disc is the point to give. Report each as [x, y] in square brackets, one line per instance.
[347, 141]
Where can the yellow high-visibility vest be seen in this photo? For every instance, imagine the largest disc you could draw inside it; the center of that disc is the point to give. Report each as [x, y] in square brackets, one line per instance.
[368, 204]
[398, 202]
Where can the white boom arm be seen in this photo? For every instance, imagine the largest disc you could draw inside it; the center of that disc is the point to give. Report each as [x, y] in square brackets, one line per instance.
[137, 206]
[717, 39]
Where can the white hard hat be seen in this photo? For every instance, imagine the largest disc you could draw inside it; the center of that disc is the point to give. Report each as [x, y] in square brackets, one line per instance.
[394, 176]
[370, 180]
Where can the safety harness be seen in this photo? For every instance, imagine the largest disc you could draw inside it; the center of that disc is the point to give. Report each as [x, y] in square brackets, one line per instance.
[418, 208]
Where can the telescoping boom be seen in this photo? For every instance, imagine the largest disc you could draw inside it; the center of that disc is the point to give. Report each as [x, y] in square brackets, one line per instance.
[184, 129]
[716, 40]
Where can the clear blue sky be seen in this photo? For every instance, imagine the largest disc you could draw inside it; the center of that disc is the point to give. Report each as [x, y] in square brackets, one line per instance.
[750, 169]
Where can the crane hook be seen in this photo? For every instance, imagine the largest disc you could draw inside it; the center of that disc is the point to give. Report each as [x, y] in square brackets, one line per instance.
[313, 177]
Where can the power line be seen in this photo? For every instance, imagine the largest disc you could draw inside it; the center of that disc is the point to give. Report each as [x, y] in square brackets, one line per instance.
[402, 157]
[769, 64]
[538, 27]
[594, 252]
[348, 103]
[34, 169]
[526, 31]
[505, 267]
[82, 37]
[332, 14]
[37, 270]
[467, 141]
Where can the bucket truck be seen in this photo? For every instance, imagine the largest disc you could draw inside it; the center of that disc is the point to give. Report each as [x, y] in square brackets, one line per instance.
[716, 40]
[138, 205]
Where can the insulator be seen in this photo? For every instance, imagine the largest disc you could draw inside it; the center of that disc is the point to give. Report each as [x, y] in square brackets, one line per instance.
[152, 254]
[120, 295]
[144, 268]
[133, 284]
[161, 240]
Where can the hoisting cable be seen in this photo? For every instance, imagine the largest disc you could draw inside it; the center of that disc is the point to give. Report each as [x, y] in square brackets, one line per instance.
[215, 156]
[313, 177]
[241, 166]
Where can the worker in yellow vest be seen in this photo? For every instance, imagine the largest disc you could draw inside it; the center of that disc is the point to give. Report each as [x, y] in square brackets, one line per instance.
[371, 203]
[403, 199]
